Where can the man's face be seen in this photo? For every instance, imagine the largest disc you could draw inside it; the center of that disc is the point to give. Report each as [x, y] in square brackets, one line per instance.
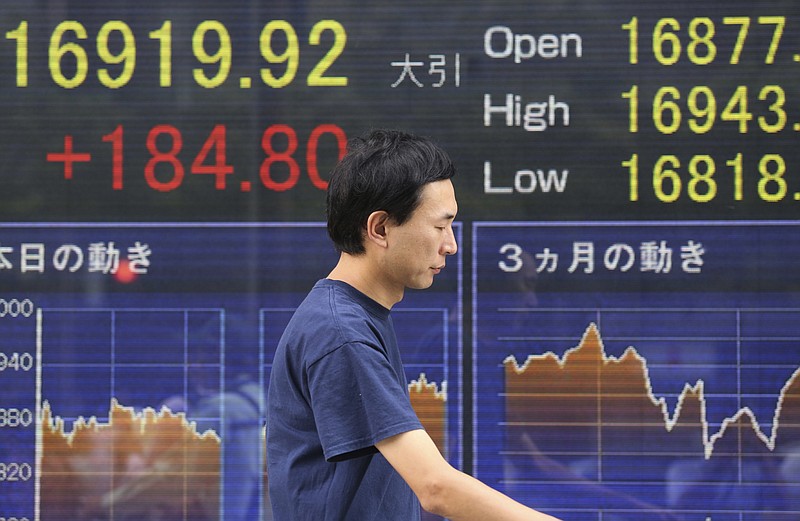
[418, 248]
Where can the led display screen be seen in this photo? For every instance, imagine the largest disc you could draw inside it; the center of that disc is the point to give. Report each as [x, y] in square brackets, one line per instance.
[616, 338]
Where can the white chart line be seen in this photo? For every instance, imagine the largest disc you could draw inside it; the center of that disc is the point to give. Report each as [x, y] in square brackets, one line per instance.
[37, 483]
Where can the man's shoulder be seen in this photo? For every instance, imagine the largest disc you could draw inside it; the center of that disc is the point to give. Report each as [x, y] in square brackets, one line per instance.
[327, 302]
[325, 320]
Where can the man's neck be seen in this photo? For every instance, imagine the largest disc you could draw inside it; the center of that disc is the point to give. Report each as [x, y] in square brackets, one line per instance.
[359, 272]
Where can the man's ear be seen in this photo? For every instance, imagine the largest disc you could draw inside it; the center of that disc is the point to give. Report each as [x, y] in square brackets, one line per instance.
[376, 227]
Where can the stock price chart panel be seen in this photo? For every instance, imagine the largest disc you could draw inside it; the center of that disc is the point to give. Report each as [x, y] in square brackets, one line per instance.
[634, 371]
[553, 110]
[134, 361]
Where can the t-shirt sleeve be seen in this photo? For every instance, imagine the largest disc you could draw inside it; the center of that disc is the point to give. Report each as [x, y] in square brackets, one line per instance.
[357, 400]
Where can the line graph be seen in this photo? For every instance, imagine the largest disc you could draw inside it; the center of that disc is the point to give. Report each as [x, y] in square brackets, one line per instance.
[580, 417]
[638, 396]
[95, 354]
[184, 348]
[430, 403]
[131, 461]
[134, 465]
[620, 386]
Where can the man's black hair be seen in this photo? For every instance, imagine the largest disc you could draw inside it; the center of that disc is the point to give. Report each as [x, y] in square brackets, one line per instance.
[382, 170]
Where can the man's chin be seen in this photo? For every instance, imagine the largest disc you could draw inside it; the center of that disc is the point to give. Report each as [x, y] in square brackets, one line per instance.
[422, 284]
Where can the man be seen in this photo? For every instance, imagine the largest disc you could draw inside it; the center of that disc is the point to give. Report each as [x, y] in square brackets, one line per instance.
[343, 441]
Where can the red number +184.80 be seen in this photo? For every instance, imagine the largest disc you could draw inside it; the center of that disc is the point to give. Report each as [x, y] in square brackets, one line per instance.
[165, 142]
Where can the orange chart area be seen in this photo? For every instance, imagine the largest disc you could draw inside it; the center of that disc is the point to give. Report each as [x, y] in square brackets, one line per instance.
[589, 403]
[143, 466]
[430, 403]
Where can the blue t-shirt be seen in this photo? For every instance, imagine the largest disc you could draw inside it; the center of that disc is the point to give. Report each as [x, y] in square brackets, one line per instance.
[336, 388]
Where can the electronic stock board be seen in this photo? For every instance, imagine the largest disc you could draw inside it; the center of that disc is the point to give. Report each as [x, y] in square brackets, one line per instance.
[616, 339]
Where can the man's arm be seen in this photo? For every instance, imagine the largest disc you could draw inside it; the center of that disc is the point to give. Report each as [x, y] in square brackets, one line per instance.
[446, 491]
